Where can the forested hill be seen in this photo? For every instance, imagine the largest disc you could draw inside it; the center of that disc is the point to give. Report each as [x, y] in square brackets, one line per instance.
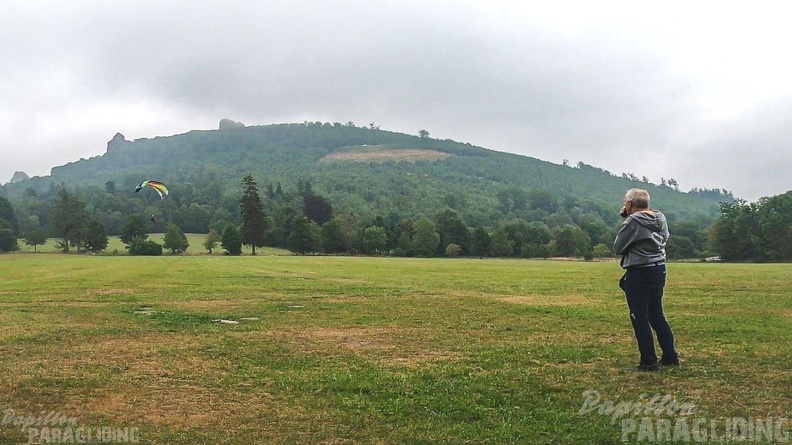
[367, 171]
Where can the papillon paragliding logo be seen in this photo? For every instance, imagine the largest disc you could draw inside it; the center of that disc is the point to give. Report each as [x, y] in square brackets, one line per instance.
[156, 185]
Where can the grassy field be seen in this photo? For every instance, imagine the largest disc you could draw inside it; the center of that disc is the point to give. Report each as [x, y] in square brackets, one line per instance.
[352, 350]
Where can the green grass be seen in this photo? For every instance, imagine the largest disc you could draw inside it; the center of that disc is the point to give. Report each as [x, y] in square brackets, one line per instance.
[353, 350]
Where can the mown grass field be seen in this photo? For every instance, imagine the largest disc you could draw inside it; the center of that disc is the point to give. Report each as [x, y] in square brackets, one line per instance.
[354, 350]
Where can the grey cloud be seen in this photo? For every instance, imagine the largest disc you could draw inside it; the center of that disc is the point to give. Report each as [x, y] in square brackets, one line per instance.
[599, 97]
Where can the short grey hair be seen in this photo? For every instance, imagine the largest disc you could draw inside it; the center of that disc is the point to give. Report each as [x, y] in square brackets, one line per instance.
[639, 198]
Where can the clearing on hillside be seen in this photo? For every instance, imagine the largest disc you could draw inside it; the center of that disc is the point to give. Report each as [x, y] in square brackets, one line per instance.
[383, 153]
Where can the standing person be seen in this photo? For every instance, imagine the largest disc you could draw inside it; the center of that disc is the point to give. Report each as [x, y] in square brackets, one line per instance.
[641, 243]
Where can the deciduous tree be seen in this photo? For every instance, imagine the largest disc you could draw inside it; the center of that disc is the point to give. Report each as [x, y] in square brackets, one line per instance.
[36, 237]
[175, 240]
[304, 236]
[69, 219]
[211, 240]
[426, 238]
[134, 229]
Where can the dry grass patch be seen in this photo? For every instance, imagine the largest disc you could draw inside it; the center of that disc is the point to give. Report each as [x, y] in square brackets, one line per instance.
[149, 381]
[113, 291]
[404, 347]
[219, 305]
[177, 405]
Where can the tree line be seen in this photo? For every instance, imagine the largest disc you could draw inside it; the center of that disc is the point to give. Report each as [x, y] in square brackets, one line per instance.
[304, 222]
[760, 231]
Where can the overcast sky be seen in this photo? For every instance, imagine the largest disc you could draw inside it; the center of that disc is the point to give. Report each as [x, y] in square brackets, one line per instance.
[697, 91]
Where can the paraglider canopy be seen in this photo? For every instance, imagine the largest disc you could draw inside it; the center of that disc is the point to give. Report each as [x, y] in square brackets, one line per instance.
[156, 185]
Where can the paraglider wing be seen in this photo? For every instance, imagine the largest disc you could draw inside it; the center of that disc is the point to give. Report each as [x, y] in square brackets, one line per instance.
[156, 185]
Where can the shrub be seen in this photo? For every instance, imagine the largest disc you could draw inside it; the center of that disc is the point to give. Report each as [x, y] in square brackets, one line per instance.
[141, 247]
[453, 250]
[8, 241]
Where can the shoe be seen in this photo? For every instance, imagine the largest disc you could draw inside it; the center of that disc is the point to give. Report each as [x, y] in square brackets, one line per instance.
[648, 368]
[669, 361]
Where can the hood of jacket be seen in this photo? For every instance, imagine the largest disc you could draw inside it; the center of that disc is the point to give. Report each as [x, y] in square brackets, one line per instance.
[654, 221]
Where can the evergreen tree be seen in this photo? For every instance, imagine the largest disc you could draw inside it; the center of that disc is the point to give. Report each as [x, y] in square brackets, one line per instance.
[304, 188]
[96, 237]
[175, 240]
[231, 241]
[269, 192]
[254, 220]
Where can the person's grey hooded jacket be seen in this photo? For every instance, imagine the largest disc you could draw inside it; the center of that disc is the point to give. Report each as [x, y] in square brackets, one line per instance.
[642, 239]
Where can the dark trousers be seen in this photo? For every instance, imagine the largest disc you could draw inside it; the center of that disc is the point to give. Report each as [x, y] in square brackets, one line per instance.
[643, 287]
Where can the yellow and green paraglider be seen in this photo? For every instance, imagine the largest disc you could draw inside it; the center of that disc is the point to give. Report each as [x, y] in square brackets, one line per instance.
[156, 185]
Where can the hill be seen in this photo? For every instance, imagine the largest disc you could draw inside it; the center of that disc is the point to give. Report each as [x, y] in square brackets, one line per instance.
[383, 178]
[362, 170]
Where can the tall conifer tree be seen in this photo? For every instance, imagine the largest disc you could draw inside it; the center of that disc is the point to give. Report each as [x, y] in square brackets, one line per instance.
[254, 220]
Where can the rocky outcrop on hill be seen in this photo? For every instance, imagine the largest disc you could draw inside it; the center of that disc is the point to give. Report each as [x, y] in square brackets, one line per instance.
[18, 176]
[226, 124]
[117, 142]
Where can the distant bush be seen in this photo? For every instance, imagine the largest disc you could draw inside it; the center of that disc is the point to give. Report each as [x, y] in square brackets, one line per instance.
[453, 250]
[145, 248]
[601, 251]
